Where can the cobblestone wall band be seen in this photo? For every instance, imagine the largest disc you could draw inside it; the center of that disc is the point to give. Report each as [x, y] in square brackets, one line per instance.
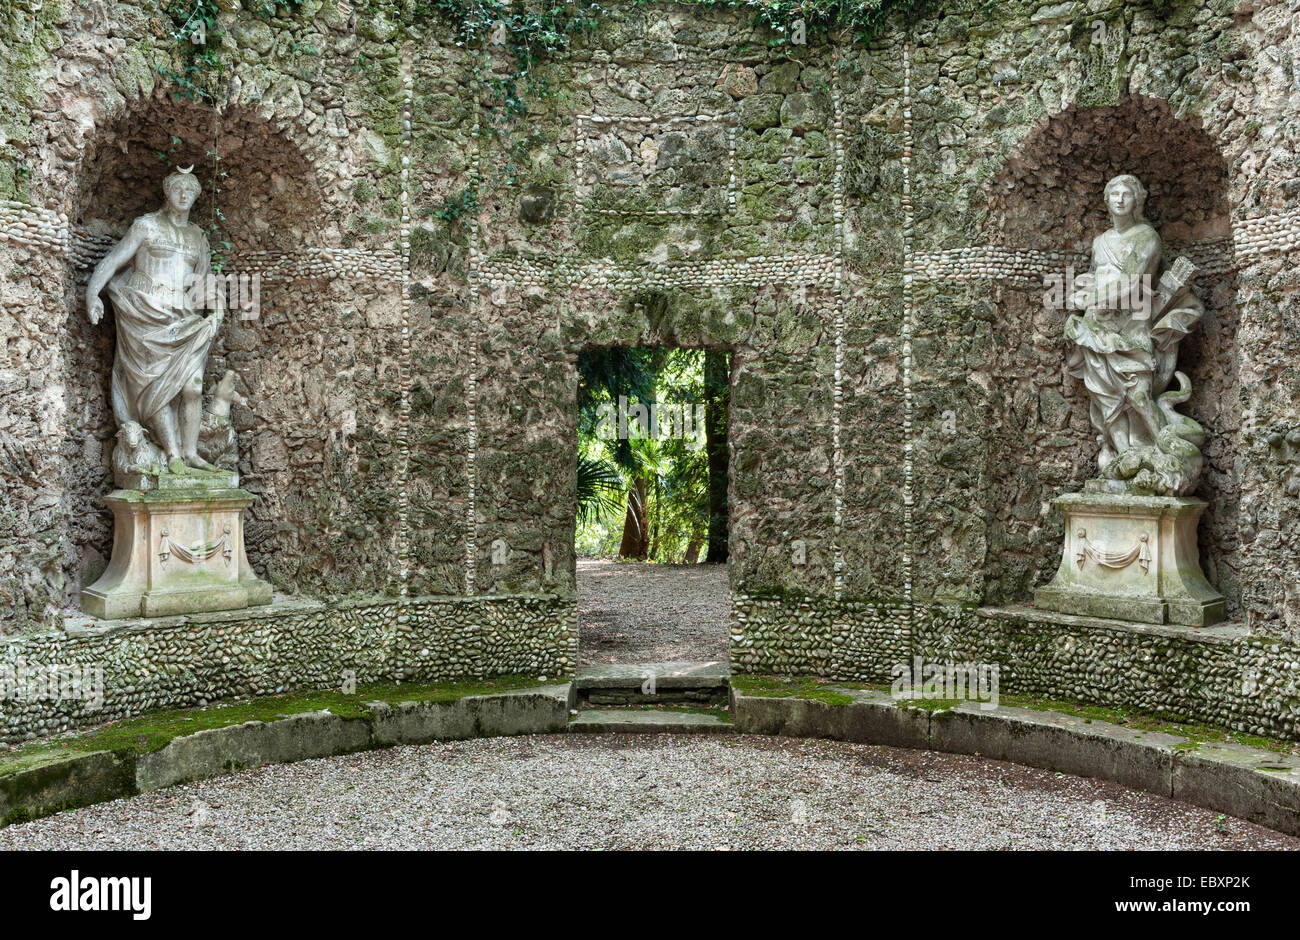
[1224, 677]
[884, 217]
[293, 645]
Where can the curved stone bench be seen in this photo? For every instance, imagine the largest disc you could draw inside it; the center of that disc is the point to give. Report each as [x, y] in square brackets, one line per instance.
[46, 786]
[1251, 783]
[1247, 782]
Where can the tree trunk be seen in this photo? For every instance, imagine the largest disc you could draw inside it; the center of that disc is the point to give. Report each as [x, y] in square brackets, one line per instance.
[654, 525]
[636, 535]
[693, 549]
[717, 394]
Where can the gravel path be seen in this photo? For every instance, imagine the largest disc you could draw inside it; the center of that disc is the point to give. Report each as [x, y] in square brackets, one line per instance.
[656, 792]
[632, 612]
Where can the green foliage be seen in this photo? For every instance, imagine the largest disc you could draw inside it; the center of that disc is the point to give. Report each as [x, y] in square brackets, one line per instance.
[673, 469]
[600, 490]
[198, 41]
[863, 20]
[460, 204]
[530, 37]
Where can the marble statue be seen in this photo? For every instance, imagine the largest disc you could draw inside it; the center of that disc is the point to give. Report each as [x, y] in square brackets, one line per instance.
[1130, 549]
[178, 517]
[163, 341]
[1126, 351]
[217, 440]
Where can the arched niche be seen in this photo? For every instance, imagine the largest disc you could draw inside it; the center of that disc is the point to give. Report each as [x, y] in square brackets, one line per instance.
[1048, 197]
[269, 201]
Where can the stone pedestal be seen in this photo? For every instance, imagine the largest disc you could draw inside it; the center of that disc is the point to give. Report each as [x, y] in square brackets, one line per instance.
[1132, 558]
[178, 548]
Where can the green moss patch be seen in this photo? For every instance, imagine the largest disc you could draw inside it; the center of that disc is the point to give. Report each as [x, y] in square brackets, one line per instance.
[821, 690]
[817, 690]
[153, 731]
[717, 711]
[1195, 732]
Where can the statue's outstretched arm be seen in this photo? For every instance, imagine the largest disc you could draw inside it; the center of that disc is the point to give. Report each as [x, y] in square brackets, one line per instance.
[110, 264]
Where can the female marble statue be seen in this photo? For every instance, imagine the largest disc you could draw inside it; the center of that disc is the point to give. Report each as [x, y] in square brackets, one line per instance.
[1125, 362]
[163, 340]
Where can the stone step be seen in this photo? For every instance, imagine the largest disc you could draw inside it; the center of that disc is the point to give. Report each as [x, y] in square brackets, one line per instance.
[647, 721]
[689, 683]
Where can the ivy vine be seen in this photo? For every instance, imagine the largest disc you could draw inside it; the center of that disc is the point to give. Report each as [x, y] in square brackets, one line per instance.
[531, 35]
[198, 41]
[534, 37]
[861, 20]
[530, 38]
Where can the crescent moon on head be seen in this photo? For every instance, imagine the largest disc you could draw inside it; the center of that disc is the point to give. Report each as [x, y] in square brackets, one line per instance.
[185, 169]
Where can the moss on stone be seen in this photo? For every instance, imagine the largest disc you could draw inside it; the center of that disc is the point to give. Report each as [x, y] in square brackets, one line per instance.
[817, 690]
[152, 731]
[1196, 733]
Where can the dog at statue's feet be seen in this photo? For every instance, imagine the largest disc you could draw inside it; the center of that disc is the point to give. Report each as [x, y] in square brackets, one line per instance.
[217, 441]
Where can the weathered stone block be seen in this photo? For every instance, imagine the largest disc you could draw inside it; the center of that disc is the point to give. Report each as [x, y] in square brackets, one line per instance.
[1140, 759]
[216, 751]
[63, 783]
[1242, 781]
[1132, 558]
[872, 718]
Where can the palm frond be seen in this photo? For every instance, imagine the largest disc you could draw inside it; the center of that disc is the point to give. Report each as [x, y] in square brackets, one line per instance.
[600, 490]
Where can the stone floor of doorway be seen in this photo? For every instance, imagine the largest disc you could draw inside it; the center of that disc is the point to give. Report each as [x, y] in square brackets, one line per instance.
[634, 612]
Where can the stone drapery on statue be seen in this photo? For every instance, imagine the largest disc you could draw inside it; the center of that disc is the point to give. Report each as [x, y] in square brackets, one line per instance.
[178, 519]
[1125, 349]
[162, 341]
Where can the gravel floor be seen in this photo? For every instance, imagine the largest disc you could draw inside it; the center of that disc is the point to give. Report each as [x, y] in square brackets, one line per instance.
[631, 612]
[645, 792]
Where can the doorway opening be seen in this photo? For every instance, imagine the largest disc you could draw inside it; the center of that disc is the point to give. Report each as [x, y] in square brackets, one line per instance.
[651, 528]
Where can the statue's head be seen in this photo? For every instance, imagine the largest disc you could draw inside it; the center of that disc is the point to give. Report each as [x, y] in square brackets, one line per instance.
[1125, 196]
[181, 189]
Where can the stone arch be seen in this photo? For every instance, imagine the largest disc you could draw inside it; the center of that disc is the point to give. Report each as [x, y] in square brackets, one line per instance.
[87, 103]
[1048, 194]
[1048, 198]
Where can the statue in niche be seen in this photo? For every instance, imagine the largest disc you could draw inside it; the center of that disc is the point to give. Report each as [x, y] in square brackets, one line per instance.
[163, 339]
[1126, 350]
[217, 440]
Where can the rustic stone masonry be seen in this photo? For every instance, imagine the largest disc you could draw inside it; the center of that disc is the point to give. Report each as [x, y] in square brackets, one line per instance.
[1223, 676]
[865, 228]
[293, 645]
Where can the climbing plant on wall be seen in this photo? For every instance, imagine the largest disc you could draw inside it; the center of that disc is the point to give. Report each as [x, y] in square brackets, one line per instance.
[531, 35]
[528, 39]
[862, 20]
[197, 40]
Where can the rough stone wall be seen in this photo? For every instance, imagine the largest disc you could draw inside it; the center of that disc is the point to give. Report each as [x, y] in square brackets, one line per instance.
[1018, 125]
[180, 662]
[681, 190]
[303, 142]
[866, 228]
[1224, 677]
